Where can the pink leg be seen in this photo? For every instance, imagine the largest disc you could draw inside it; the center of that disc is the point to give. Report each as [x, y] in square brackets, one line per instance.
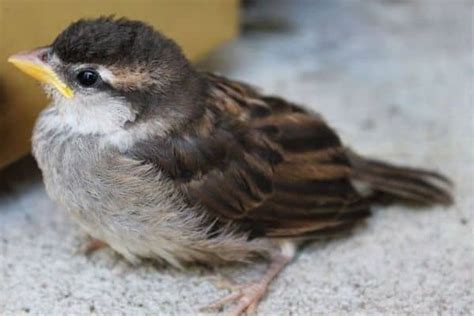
[91, 246]
[249, 295]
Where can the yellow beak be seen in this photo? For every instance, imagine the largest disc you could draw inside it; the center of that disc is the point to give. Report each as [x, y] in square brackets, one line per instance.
[31, 64]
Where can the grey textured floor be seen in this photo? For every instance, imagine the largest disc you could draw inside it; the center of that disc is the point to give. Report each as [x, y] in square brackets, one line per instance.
[395, 78]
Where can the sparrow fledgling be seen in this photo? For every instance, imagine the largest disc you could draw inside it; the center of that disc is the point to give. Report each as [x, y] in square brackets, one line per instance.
[161, 161]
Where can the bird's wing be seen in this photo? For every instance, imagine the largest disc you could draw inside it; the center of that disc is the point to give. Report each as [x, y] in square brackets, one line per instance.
[262, 163]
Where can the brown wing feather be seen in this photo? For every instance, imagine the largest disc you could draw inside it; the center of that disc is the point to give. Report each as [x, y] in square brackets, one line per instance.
[283, 170]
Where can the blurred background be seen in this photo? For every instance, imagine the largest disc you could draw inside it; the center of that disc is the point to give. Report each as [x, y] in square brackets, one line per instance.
[393, 77]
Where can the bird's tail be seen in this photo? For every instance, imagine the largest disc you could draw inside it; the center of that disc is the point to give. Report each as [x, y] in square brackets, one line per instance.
[403, 183]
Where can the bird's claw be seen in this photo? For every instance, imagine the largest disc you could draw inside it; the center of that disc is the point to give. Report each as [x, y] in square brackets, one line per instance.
[247, 298]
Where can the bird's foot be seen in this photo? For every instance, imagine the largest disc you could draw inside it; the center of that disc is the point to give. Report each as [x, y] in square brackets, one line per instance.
[249, 295]
[247, 298]
[91, 246]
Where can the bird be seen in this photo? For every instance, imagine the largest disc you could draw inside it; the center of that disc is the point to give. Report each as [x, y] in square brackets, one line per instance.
[162, 161]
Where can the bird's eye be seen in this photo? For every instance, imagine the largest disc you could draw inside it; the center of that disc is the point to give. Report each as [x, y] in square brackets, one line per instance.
[88, 77]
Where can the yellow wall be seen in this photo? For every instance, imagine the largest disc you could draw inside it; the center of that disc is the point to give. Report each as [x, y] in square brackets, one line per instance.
[198, 25]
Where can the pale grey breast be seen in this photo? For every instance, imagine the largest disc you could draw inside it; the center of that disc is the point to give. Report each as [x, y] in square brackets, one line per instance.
[126, 203]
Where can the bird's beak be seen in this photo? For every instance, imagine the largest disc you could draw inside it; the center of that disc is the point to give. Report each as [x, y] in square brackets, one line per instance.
[33, 64]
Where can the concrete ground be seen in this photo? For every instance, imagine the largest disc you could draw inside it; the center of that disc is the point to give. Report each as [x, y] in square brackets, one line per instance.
[395, 78]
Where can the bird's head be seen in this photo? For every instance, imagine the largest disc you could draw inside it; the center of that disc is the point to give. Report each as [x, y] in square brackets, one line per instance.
[104, 73]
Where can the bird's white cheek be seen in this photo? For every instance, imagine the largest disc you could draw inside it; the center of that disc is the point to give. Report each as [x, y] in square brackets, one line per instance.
[105, 116]
[98, 114]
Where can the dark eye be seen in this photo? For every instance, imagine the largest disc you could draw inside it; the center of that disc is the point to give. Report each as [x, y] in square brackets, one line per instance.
[88, 77]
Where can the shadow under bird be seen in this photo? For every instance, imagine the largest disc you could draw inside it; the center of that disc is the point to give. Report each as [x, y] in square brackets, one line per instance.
[161, 161]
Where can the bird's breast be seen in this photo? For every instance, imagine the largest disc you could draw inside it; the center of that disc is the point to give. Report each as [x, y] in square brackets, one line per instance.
[66, 160]
[132, 206]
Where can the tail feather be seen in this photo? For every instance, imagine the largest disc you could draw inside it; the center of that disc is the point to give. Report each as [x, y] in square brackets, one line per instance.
[417, 185]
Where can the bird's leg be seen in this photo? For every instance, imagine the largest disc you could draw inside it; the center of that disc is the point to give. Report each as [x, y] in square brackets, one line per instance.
[91, 246]
[249, 295]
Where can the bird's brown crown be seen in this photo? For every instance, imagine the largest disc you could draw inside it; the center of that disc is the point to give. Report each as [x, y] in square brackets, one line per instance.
[108, 40]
